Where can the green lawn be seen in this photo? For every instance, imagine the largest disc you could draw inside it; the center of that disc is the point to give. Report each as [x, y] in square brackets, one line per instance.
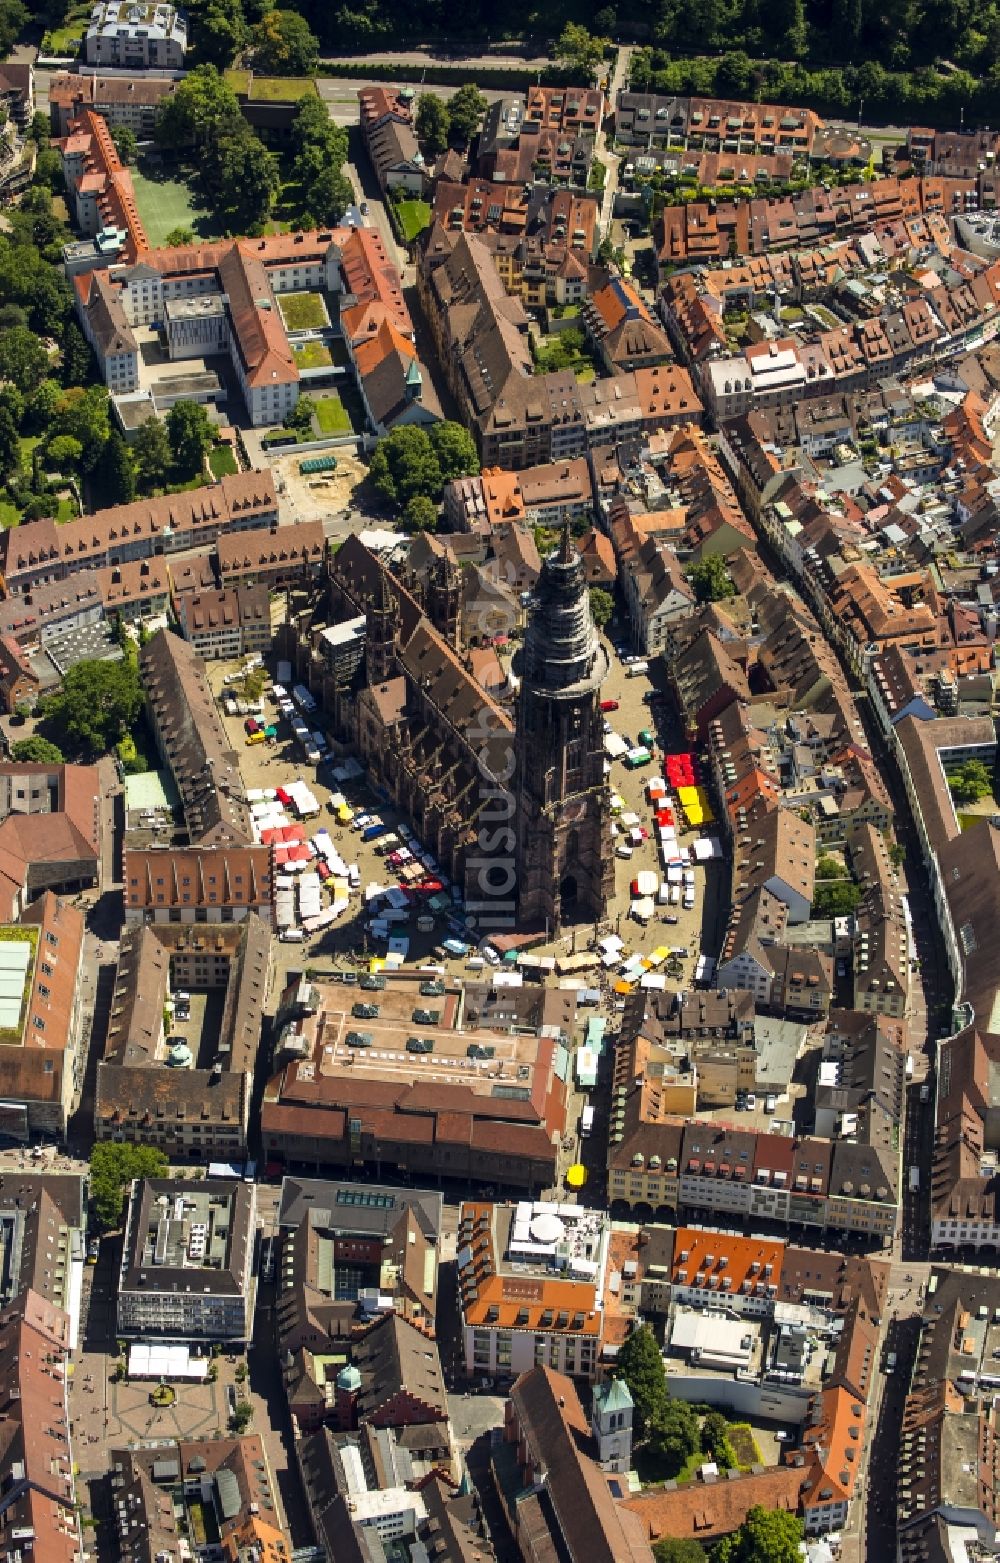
[57, 40]
[168, 203]
[270, 89]
[414, 217]
[222, 461]
[332, 416]
[66, 510]
[302, 311]
[9, 513]
[312, 355]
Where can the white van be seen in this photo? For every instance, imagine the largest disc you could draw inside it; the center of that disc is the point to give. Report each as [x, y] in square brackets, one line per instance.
[637, 669]
[291, 936]
[586, 1122]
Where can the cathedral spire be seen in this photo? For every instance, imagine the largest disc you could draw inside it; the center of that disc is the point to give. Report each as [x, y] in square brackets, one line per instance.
[565, 545]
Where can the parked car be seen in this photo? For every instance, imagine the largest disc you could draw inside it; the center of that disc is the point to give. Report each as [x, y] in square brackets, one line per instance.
[610, 705]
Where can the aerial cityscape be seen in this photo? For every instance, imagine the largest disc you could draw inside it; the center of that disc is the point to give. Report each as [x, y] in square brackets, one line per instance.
[499, 797]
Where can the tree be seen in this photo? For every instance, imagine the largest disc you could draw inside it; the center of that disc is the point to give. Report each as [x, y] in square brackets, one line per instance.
[48, 173]
[222, 32]
[190, 432]
[455, 450]
[640, 1365]
[10, 446]
[112, 1169]
[97, 703]
[117, 471]
[12, 315]
[242, 1416]
[285, 45]
[177, 238]
[36, 751]
[766, 1536]
[63, 453]
[203, 109]
[242, 178]
[432, 122]
[152, 454]
[405, 463]
[837, 899]
[580, 51]
[465, 112]
[329, 195]
[14, 18]
[673, 1434]
[970, 781]
[711, 579]
[301, 415]
[126, 142]
[23, 359]
[679, 1549]
[421, 514]
[715, 1440]
[602, 606]
[77, 359]
[84, 415]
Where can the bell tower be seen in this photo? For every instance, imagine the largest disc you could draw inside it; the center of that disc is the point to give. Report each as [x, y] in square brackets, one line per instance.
[381, 632]
[565, 870]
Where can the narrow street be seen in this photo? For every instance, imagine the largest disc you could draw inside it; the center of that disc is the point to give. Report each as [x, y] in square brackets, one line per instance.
[611, 160]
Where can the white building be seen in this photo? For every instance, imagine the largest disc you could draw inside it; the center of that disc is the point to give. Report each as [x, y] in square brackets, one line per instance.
[134, 35]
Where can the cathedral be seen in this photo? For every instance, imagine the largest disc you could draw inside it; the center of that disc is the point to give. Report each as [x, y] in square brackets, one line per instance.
[506, 788]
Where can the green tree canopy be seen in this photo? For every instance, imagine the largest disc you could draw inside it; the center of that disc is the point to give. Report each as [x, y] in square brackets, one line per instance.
[202, 110]
[63, 452]
[838, 899]
[112, 1169]
[711, 579]
[177, 238]
[404, 464]
[970, 781]
[126, 141]
[421, 514]
[602, 606]
[36, 751]
[190, 432]
[96, 705]
[679, 1549]
[77, 359]
[285, 45]
[432, 122]
[455, 450]
[673, 1434]
[766, 1536]
[466, 108]
[117, 474]
[23, 359]
[242, 178]
[83, 414]
[580, 51]
[640, 1365]
[152, 454]
[221, 31]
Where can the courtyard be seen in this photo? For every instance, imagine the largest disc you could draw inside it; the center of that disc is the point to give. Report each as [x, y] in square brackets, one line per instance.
[167, 202]
[303, 311]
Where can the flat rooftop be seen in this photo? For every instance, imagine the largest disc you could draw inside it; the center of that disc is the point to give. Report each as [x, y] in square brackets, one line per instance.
[185, 1234]
[325, 1034]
